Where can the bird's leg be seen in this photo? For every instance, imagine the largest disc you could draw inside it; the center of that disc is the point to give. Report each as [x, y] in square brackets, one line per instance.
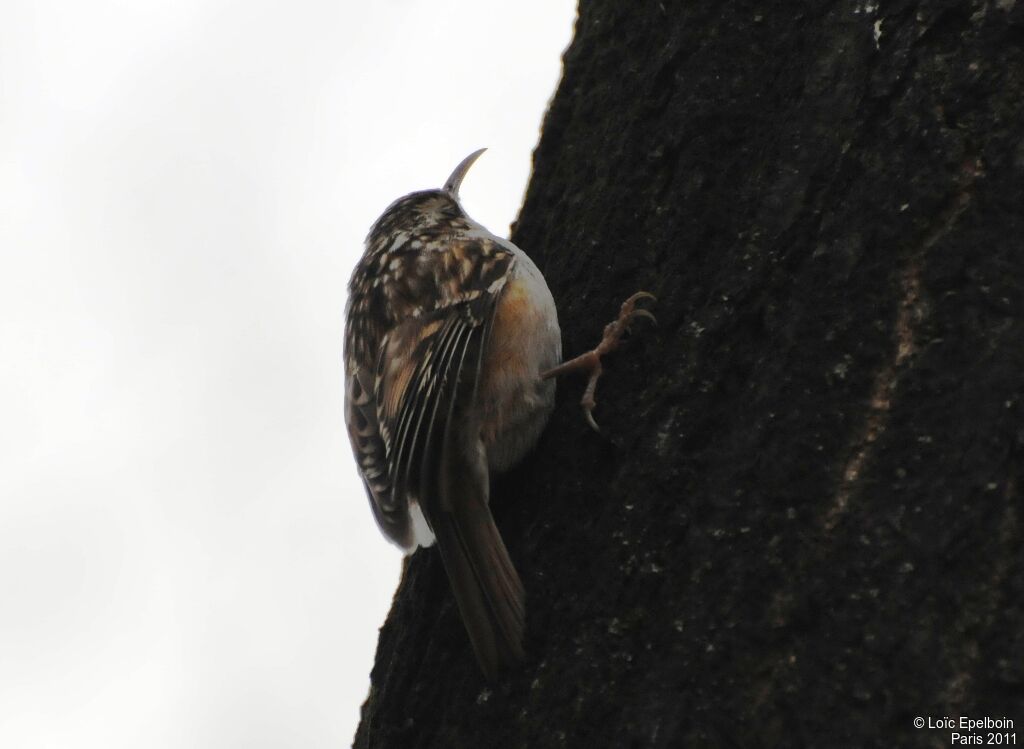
[591, 361]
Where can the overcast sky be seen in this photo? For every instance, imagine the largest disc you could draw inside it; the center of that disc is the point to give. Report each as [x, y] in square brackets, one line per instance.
[187, 558]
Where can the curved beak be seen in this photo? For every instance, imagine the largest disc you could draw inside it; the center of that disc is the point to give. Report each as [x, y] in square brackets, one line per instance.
[452, 184]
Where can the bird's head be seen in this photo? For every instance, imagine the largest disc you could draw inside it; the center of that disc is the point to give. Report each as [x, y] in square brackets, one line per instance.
[427, 207]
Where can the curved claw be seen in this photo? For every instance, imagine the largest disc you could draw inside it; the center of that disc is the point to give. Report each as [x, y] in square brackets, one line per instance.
[591, 360]
[641, 295]
[643, 313]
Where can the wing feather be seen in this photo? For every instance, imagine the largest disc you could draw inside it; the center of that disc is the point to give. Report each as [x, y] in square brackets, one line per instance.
[419, 411]
[415, 341]
[408, 371]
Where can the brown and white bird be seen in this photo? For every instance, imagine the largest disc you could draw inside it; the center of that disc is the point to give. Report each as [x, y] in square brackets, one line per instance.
[451, 341]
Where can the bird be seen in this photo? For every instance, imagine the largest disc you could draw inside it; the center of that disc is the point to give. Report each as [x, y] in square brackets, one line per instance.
[452, 344]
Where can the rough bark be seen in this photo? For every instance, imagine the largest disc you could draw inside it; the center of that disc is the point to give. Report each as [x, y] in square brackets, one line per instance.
[807, 530]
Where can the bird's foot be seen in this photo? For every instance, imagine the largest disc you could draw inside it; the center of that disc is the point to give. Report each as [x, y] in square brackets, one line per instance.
[591, 361]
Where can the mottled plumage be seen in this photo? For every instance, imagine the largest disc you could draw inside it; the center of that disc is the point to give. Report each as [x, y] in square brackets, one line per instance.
[448, 331]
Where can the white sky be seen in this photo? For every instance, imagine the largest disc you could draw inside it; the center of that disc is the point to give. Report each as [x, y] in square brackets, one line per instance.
[187, 559]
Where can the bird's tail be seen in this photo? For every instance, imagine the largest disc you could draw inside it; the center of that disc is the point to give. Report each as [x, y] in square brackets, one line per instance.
[487, 588]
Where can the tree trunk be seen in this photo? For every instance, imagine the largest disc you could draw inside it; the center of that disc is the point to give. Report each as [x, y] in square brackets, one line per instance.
[805, 529]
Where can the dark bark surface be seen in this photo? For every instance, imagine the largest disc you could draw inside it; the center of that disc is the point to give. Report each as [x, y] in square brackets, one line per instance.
[807, 528]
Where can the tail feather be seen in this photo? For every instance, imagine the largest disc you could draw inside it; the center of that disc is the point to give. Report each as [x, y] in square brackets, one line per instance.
[454, 485]
[487, 588]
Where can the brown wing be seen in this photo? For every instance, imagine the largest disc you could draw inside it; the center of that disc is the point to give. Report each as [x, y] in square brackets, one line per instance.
[439, 461]
[415, 316]
[422, 442]
[371, 457]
